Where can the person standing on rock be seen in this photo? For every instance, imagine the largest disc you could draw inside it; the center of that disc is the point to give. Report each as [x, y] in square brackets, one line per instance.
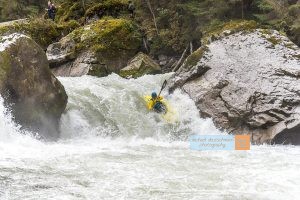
[131, 8]
[51, 10]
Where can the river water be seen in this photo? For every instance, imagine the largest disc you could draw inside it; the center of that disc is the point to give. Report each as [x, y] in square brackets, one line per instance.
[111, 147]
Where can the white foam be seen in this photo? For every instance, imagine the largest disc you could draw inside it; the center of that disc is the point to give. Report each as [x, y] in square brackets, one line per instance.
[8, 40]
[113, 148]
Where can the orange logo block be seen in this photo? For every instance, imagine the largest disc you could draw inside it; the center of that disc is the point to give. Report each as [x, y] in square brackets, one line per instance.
[242, 142]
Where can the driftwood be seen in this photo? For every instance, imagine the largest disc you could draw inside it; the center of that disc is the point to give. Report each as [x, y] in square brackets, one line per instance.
[191, 48]
[145, 44]
[180, 60]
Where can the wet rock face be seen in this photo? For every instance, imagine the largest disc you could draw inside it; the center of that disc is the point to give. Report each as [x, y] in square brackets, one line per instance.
[85, 64]
[33, 94]
[248, 83]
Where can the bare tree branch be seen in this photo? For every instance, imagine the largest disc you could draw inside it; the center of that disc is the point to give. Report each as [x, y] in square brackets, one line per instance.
[153, 15]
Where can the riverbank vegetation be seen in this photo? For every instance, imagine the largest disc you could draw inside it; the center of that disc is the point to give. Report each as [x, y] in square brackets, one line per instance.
[169, 26]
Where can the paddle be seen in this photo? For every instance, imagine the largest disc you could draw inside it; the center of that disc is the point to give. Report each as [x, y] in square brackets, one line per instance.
[162, 87]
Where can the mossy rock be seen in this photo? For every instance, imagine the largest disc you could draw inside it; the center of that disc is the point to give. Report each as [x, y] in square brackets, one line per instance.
[109, 39]
[228, 28]
[42, 31]
[274, 40]
[194, 58]
[140, 65]
[108, 34]
[112, 41]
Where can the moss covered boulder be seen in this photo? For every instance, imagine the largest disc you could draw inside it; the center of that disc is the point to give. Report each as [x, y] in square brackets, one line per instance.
[140, 65]
[33, 94]
[44, 32]
[110, 43]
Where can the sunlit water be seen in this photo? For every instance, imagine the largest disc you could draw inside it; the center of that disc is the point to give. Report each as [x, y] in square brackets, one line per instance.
[111, 147]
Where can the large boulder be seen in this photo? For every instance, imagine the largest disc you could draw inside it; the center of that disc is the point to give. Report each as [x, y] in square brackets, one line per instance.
[140, 65]
[248, 83]
[33, 94]
[98, 49]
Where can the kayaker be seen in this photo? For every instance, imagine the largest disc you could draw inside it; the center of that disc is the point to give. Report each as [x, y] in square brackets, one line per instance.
[156, 103]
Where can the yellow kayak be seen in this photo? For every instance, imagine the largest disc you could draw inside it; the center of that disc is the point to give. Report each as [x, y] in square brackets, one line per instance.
[170, 115]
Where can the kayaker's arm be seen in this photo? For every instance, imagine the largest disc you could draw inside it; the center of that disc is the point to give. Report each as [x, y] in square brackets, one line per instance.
[150, 105]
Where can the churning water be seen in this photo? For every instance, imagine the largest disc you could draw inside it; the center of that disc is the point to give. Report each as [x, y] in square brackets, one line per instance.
[111, 147]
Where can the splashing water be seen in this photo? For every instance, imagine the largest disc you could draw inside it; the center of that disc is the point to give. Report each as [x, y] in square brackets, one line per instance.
[112, 147]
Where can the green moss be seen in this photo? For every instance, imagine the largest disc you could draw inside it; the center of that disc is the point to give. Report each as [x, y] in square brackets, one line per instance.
[297, 56]
[266, 31]
[44, 32]
[111, 34]
[267, 34]
[4, 64]
[274, 40]
[232, 27]
[290, 45]
[194, 58]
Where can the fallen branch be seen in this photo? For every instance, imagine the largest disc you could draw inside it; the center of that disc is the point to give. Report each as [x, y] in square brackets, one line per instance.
[191, 48]
[181, 59]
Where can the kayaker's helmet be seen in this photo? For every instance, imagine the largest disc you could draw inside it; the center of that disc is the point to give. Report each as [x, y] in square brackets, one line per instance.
[154, 95]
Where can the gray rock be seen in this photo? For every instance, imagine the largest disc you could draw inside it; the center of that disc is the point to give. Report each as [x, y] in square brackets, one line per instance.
[84, 64]
[248, 83]
[163, 60]
[33, 94]
[61, 52]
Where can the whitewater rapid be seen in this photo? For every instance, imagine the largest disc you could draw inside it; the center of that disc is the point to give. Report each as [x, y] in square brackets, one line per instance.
[112, 147]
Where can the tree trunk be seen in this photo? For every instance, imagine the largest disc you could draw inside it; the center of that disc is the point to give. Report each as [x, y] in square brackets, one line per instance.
[153, 15]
